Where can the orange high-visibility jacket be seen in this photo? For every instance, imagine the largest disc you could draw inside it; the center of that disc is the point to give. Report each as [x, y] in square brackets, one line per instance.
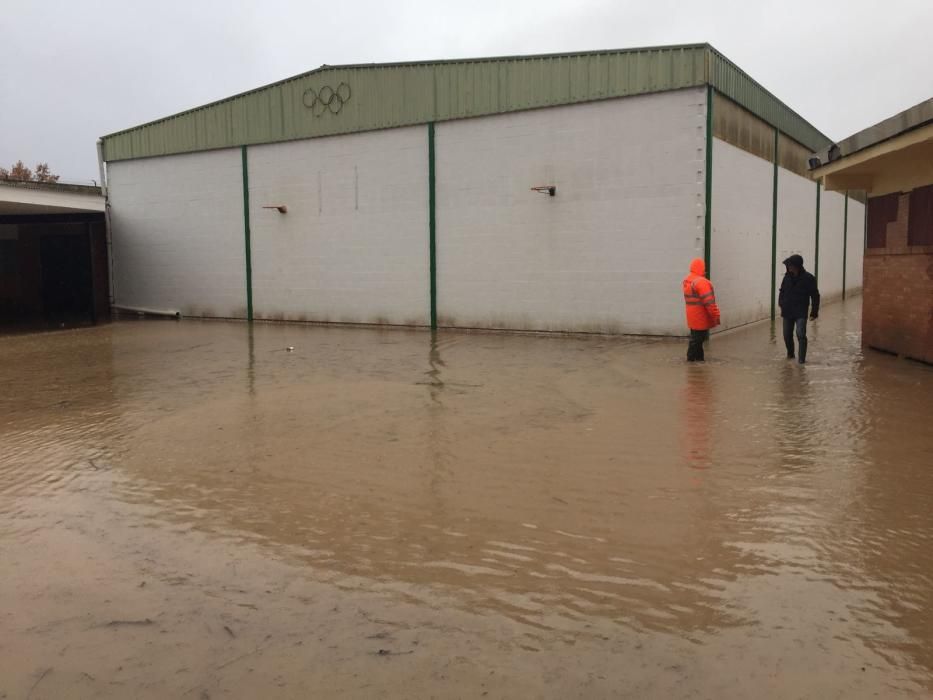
[702, 311]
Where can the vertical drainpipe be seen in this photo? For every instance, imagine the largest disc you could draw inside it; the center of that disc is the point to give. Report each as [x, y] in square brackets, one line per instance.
[432, 227]
[708, 224]
[101, 167]
[774, 202]
[816, 252]
[108, 234]
[845, 242]
[246, 237]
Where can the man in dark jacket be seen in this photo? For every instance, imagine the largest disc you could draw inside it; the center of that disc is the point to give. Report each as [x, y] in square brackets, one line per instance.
[797, 289]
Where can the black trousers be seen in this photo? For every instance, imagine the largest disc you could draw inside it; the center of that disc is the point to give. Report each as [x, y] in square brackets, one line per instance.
[800, 326]
[695, 348]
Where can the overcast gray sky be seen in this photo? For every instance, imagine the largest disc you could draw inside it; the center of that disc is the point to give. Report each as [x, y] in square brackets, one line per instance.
[76, 70]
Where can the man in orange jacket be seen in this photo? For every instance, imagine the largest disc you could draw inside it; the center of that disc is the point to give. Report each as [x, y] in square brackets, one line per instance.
[702, 311]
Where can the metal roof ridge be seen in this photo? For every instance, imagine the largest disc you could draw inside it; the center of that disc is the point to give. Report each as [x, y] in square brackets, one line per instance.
[520, 57]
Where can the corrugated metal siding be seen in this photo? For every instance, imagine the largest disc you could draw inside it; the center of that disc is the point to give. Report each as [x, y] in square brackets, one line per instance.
[383, 96]
[737, 126]
[390, 95]
[793, 156]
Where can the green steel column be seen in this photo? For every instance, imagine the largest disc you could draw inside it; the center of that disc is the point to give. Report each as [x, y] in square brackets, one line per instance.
[845, 241]
[774, 202]
[246, 239]
[432, 226]
[816, 251]
[708, 225]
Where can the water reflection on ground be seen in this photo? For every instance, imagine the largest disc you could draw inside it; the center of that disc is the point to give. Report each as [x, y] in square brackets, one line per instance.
[193, 508]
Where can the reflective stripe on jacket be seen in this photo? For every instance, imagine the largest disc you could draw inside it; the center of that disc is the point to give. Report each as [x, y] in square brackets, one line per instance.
[700, 299]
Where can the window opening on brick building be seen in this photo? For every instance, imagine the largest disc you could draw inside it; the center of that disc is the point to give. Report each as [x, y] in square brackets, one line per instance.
[881, 212]
[920, 224]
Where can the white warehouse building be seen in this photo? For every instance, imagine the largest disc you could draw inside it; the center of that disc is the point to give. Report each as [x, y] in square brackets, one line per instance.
[401, 194]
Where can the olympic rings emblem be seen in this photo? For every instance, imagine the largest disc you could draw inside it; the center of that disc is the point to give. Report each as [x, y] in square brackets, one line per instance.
[326, 99]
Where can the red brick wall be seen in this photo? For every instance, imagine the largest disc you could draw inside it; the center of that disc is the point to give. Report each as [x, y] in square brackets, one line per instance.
[897, 313]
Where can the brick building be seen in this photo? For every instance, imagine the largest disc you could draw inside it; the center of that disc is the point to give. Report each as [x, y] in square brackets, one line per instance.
[405, 194]
[893, 162]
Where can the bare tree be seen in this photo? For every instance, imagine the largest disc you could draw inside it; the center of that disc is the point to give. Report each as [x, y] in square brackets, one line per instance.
[21, 173]
[42, 173]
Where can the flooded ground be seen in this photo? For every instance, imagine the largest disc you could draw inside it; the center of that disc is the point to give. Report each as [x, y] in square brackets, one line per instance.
[189, 510]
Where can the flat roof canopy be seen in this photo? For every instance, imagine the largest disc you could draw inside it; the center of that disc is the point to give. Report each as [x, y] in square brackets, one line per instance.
[898, 164]
[894, 155]
[40, 198]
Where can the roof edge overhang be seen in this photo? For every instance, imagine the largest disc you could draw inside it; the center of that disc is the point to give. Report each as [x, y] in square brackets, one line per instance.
[34, 199]
[899, 162]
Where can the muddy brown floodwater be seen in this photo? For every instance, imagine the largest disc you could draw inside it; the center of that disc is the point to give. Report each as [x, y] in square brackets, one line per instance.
[189, 510]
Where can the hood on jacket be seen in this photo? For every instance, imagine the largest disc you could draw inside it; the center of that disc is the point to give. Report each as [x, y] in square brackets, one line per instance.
[795, 260]
[698, 267]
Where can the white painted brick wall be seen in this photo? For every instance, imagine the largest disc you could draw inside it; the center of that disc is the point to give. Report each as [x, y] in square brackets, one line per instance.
[831, 214]
[796, 223]
[608, 252]
[743, 192]
[353, 246]
[177, 226]
[856, 247]
[741, 256]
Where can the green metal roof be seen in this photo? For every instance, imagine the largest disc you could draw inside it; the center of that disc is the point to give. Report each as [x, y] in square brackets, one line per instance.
[352, 98]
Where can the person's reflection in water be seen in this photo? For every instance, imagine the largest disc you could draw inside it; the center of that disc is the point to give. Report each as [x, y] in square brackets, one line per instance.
[796, 419]
[696, 417]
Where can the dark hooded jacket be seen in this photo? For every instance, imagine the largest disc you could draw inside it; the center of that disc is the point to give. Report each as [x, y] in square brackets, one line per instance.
[797, 291]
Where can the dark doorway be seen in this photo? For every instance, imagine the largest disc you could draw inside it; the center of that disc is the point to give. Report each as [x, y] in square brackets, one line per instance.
[54, 271]
[67, 287]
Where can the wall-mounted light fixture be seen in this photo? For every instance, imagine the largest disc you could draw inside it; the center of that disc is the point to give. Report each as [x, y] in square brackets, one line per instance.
[550, 190]
[281, 208]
